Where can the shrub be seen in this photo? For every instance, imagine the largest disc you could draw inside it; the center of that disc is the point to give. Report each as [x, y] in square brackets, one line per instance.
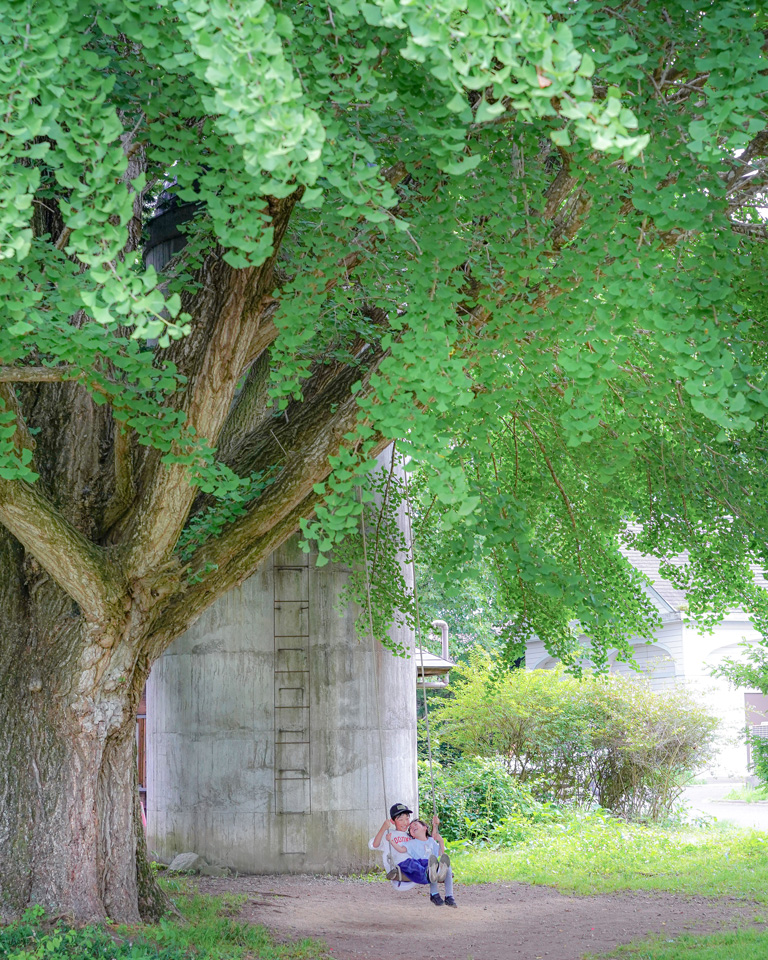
[478, 799]
[597, 739]
[759, 751]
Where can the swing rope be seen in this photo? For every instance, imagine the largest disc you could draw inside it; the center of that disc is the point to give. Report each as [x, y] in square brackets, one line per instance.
[409, 506]
[373, 649]
[377, 684]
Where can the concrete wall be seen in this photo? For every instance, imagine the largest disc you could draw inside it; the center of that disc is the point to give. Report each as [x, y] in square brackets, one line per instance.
[262, 731]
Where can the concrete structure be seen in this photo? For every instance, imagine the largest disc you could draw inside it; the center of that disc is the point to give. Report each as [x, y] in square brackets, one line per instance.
[684, 653]
[263, 746]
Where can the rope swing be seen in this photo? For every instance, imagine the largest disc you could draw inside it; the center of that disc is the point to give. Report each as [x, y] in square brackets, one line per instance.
[409, 511]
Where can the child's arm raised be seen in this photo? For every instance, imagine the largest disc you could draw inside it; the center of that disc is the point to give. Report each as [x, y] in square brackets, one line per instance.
[387, 825]
[436, 835]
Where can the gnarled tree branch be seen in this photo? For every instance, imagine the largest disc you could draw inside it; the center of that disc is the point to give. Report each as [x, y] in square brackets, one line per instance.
[80, 567]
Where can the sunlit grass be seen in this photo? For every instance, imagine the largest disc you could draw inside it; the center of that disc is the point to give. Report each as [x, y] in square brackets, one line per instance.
[206, 927]
[731, 945]
[748, 794]
[596, 854]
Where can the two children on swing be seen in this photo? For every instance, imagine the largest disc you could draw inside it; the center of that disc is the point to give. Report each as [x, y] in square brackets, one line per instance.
[418, 857]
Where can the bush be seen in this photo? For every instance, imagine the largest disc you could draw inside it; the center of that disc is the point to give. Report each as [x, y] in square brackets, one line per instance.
[597, 739]
[759, 750]
[478, 799]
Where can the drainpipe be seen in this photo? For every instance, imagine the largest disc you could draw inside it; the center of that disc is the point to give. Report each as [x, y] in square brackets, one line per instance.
[443, 627]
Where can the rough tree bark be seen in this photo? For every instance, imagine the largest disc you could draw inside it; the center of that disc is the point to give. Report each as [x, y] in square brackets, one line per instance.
[67, 714]
[92, 591]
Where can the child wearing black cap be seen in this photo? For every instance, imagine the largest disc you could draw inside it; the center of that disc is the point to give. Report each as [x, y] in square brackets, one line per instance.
[396, 829]
[407, 862]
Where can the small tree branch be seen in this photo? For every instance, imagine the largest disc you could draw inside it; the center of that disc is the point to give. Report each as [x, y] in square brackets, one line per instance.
[125, 485]
[39, 374]
[23, 438]
[187, 605]
[559, 486]
[275, 516]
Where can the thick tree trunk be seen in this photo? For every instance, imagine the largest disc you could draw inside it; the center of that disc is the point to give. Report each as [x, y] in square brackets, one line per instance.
[69, 831]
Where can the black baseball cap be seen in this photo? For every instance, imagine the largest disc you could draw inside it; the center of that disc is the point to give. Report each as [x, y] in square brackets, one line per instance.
[397, 809]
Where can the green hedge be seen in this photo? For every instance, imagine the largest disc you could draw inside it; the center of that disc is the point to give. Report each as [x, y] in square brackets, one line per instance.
[603, 740]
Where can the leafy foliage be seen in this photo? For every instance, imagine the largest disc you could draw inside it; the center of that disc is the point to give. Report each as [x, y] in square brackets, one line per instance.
[520, 237]
[377, 557]
[602, 739]
[207, 930]
[759, 750]
[31, 940]
[545, 236]
[478, 799]
[750, 672]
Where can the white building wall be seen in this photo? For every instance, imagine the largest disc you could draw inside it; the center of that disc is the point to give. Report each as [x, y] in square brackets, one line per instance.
[703, 652]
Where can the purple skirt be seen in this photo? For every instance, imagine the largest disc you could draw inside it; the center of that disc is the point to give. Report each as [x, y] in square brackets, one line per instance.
[415, 870]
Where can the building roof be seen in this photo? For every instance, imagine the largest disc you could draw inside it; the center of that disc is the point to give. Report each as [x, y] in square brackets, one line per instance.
[670, 595]
[433, 664]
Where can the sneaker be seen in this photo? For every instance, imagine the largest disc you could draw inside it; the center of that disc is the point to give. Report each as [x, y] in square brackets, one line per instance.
[433, 868]
[442, 868]
[450, 902]
[395, 874]
[437, 900]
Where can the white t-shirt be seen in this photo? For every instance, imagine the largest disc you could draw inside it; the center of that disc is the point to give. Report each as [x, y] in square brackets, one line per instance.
[392, 856]
[421, 849]
[401, 838]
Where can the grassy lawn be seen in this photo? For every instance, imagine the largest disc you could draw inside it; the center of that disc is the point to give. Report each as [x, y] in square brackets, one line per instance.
[585, 854]
[592, 854]
[207, 927]
[748, 794]
[733, 945]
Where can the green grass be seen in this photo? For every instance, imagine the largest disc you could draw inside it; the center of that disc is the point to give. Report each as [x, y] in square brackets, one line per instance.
[585, 854]
[208, 928]
[205, 930]
[731, 945]
[595, 854]
[748, 794]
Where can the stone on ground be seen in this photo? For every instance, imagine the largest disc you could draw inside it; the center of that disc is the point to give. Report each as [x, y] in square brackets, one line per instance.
[187, 863]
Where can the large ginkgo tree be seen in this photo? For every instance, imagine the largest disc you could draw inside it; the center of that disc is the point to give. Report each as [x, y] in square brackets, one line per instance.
[465, 225]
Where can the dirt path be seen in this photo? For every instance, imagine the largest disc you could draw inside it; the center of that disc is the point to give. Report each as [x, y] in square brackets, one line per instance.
[359, 920]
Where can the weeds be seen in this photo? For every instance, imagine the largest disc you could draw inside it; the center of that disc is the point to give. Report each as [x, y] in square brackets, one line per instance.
[207, 930]
[748, 794]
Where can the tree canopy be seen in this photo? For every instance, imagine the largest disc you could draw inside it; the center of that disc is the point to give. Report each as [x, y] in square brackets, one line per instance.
[523, 239]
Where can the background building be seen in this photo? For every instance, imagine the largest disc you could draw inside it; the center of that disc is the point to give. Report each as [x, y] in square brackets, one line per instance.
[684, 653]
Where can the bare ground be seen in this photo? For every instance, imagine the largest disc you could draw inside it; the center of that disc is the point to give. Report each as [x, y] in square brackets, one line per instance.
[361, 920]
